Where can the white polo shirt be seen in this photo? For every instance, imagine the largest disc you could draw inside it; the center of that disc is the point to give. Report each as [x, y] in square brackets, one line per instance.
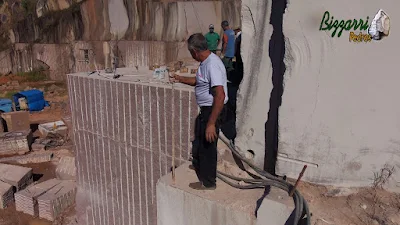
[211, 73]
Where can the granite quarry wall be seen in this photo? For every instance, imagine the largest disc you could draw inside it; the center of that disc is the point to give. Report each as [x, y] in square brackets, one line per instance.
[319, 98]
[123, 140]
[59, 33]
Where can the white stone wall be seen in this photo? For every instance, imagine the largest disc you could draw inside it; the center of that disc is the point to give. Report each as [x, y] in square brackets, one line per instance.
[339, 113]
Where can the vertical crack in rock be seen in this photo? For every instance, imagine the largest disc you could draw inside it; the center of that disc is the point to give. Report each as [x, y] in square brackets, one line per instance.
[276, 54]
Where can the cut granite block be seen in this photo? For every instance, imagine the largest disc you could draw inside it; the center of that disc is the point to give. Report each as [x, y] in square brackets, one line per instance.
[38, 147]
[66, 168]
[26, 200]
[56, 200]
[16, 142]
[6, 194]
[36, 157]
[17, 176]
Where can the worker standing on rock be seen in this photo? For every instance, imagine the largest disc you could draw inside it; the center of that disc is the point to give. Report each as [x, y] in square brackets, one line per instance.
[210, 90]
[228, 46]
[212, 39]
[234, 79]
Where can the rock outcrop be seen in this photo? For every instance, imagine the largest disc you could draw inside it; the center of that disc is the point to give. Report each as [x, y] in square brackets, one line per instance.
[82, 35]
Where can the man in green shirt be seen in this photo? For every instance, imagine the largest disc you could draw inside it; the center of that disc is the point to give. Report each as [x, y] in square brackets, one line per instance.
[212, 39]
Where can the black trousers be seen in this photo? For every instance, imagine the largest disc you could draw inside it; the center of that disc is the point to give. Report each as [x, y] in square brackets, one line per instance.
[204, 153]
[228, 127]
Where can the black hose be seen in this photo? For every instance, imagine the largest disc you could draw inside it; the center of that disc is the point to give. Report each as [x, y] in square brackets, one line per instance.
[301, 207]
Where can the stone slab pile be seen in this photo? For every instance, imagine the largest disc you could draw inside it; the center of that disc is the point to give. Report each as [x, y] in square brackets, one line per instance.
[56, 200]
[15, 142]
[6, 194]
[26, 200]
[35, 157]
[41, 144]
[66, 169]
[17, 176]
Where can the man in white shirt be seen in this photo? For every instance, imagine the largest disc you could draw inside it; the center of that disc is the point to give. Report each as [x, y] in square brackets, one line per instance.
[211, 95]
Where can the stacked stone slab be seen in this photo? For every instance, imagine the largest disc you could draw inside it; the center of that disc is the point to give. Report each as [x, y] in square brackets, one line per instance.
[66, 169]
[16, 142]
[30, 158]
[17, 176]
[56, 200]
[26, 200]
[6, 194]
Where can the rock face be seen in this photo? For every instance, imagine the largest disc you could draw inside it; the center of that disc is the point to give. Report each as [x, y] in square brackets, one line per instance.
[314, 98]
[58, 21]
[57, 34]
[124, 144]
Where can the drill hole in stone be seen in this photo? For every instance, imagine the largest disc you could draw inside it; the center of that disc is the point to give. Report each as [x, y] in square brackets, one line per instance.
[249, 154]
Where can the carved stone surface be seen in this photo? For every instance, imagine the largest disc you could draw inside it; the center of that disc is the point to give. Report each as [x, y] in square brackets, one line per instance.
[123, 133]
[96, 20]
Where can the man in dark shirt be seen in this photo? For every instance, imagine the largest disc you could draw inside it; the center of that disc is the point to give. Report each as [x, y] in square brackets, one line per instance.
[234, 79]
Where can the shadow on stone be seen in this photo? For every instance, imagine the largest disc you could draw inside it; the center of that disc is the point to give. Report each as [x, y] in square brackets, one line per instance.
[260, 200]
[36, 177]
[34, 127]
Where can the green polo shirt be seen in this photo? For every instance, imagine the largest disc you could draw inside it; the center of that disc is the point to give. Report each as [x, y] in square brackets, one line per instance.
[212, 40]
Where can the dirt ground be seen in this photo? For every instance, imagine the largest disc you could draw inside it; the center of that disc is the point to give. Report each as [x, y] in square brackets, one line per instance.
[57, 96]
[340, 206]
[364, 206]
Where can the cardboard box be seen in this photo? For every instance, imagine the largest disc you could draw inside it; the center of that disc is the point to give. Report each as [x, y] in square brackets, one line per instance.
[184, 70]
[17, 121]
[193, 71]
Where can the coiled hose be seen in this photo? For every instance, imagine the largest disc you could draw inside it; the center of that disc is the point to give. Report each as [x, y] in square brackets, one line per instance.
[301, 211]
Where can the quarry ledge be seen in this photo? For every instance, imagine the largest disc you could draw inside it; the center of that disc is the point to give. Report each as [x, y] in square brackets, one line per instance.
[142, 76]
[179, 204]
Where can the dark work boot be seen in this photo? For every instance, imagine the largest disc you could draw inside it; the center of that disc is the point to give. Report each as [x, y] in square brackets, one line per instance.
[199, 186]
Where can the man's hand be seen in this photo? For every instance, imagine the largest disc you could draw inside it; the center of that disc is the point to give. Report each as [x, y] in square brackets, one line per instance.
[211, 133]
[175, 78]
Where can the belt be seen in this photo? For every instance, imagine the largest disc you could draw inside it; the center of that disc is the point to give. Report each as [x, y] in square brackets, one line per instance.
[208, 107]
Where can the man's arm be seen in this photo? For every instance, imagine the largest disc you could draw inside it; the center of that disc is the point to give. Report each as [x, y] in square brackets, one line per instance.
[218, 105]
[185, 80]
[224, 43]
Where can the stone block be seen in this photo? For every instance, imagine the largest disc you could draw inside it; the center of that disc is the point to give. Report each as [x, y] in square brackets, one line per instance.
[17, 176]
[16, 142]
[38, 147]
[17, 121]
[26, 200]
[66, 169]
[56, 200]
[179, 204]
[6, 195]
[120, 161]
[38, 157]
